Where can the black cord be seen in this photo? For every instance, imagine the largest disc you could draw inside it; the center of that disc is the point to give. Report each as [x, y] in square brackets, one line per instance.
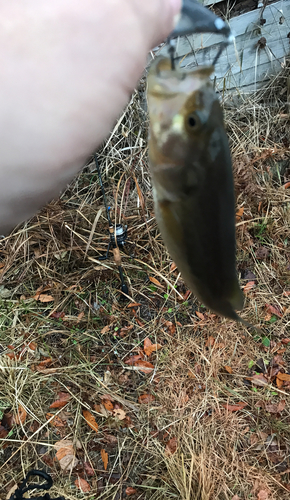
[23, 488]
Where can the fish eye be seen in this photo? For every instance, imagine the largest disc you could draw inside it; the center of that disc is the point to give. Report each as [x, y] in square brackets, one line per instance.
[192, 121]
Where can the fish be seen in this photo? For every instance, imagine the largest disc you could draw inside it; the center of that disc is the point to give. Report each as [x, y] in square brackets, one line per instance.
[192, 180]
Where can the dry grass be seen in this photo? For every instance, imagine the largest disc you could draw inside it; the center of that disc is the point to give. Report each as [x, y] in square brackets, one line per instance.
[220, 453]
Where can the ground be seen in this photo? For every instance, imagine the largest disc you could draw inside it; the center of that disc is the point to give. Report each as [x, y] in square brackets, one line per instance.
[151, 397]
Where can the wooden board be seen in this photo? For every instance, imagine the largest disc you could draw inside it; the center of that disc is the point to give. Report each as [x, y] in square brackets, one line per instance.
[243, 66]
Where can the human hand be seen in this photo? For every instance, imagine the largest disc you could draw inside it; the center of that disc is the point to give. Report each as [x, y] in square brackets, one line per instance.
[68, 68]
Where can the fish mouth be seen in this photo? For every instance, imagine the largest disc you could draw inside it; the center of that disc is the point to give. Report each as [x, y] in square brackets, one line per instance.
[194, 18]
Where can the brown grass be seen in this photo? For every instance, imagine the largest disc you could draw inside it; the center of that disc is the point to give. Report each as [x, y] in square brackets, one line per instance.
[219, 453]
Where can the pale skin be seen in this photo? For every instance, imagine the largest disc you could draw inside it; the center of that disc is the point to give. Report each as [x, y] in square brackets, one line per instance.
[67, 70]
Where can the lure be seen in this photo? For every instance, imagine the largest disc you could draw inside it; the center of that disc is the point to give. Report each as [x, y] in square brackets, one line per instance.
[192, 181]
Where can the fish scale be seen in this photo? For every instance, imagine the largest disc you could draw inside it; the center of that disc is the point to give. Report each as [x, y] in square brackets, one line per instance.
[192, 180]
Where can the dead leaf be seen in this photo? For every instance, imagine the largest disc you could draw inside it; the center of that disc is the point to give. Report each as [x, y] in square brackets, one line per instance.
[210, 341]
[21, 415]
[91, 421]
[239, 214]
[236, 407]
[11, 491]
[258, 380]
[130, 491]
[3, 432]
[32, 346]
[56, 420]
[199, 315]
[173, 266]
[279, 383]
[134, 304]
[263, 495]
[108, 404]
[83, 485]
[144, 366]
[106, 329]
[63, 398]
[287, 185]
[283, 376]
[155, 281]
[273, 310]
[88, 469]
[43, 297]
[105, 458]
[66, 454]
[276, 408]
[45, 361]
[146, 398]
[149, 347]
[171, 446]
[133, 359]
[119, 413]
[285, 341]
[262, 253]
[249, 286]
[229, 369]
[235, 497]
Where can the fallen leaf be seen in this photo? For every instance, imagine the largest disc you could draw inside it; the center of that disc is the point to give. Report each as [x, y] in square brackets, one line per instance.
[144, 366]
[149, 348]
[287, 185]
[45, 361]
[130, 491]
[187, 294]
[173, 266]
[106, 329]
[279, 383]
[210, 341]
[56, 420]
[146, 398]
[263, 495]
[11, 491]
[108, 404]
[43, 297]
[285, 341]
[249, 286]
[262, 253]
[82, 484]
[3, 432]
[155, 281]
[105, 458]
[134, 304]
[235, 497]
[283, 376]
[133, 359]
[199, 315]
[32, 346]
[21, 415]
[239, 214]
[91, 421]
[57, 315]
[171, 446]
[273, 310]
[140, 323]
[66, 454]
[229, 369]
[259, 380]
[237, 407]
[276, 408]
[119, 413]
[63, 398]
[88, 469]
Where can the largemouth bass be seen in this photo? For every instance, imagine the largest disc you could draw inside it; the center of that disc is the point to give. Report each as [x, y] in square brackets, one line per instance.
[192, 181]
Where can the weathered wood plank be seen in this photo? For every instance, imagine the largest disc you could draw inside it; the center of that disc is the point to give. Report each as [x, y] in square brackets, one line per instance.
[244, 65]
